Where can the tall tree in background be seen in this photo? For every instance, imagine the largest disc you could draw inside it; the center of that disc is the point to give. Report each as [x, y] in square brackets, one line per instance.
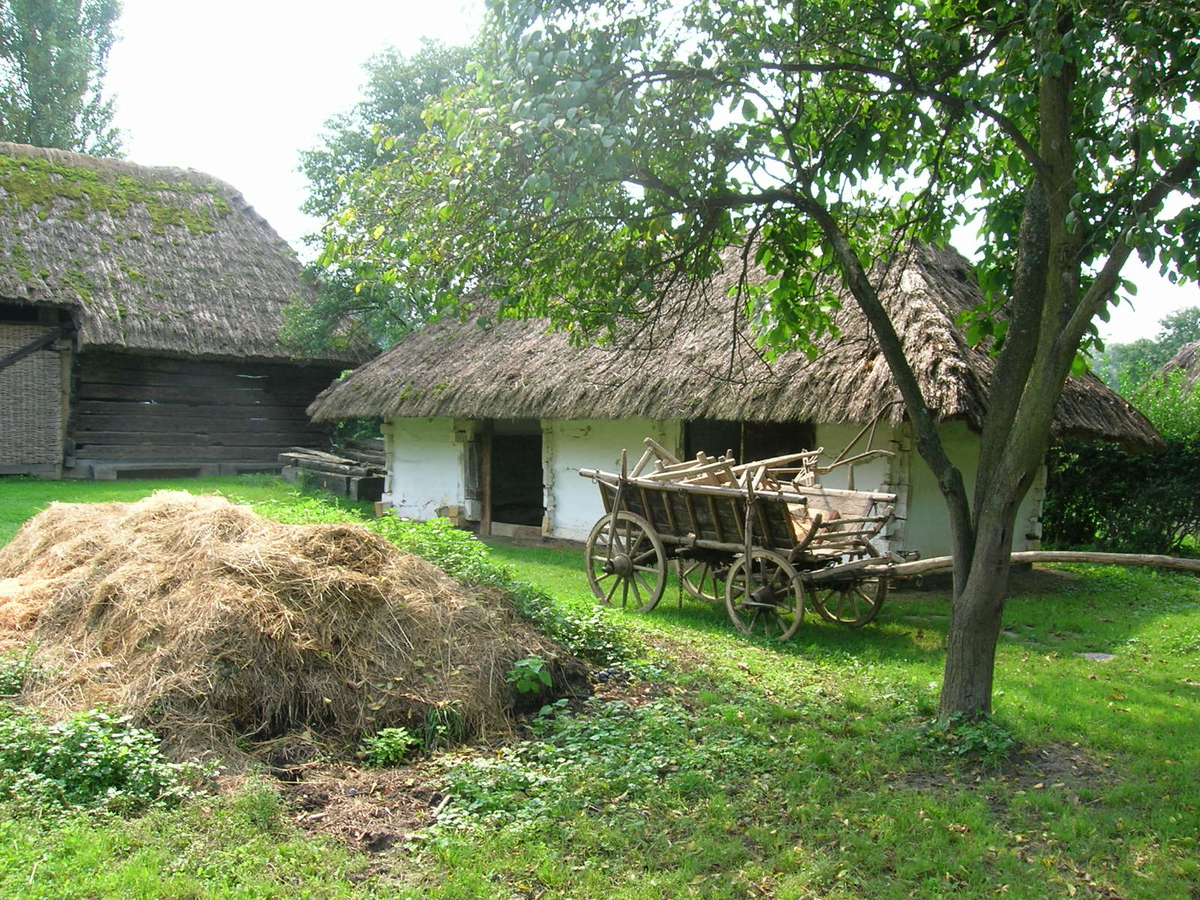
[382, 127]
[53, 58]
[1126, 367]
[613, 147]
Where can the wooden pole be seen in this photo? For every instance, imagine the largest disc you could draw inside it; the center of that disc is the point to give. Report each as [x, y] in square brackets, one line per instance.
[871, 568]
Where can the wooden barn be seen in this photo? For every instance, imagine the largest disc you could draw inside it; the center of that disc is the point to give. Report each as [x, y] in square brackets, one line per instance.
[491, 424]
[140, 311]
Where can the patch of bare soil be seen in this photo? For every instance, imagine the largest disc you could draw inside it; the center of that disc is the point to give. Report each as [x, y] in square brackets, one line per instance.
[382, 810]
[1061, 767]
[367, 809]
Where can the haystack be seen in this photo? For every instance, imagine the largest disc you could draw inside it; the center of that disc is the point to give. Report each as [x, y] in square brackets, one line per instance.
[218, 628]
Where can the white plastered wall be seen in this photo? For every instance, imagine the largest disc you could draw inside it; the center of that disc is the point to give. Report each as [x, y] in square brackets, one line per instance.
[425, 466]
[573, 503]
[927, 525]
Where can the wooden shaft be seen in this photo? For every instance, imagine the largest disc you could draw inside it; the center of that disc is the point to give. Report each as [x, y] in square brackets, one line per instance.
[871, 568]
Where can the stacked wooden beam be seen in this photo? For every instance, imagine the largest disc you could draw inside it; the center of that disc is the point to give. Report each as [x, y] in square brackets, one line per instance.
[356, 471]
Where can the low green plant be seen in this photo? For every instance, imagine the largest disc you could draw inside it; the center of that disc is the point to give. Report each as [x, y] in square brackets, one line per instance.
[979, 739]
[529, 675]
[93, 760]
[444, 727]
[15, 666]
[453, 550]
[390, 746]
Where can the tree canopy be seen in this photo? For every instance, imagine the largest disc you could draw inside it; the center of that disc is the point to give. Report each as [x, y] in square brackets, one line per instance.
[611, 148]
[1126, 367]
[53, 59]
[384, 126]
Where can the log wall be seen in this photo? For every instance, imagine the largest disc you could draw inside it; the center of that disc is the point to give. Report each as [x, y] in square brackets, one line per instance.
[133, 411]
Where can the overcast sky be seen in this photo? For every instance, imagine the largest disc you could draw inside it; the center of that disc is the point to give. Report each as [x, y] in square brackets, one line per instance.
[237, 88]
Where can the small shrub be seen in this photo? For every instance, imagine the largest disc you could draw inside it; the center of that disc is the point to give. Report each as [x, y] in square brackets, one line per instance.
[15, 667]
[390, 746]
[529, 675]
[980, 739]
[93, 760]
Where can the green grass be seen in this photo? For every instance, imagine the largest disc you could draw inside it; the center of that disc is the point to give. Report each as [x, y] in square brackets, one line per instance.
[22, 497]
[730, 768]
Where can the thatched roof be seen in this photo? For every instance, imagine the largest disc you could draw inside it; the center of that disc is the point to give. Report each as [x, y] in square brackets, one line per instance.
[700, 362]
[155, 260]
[1187, 360]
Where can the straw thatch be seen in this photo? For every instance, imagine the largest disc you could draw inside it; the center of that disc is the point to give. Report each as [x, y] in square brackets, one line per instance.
[156, 260]
[215, 626]
[1187, 360]
[699, 361]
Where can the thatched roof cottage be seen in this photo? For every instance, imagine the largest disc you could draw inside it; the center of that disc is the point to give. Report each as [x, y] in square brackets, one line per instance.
[140, 311]
[493, 423]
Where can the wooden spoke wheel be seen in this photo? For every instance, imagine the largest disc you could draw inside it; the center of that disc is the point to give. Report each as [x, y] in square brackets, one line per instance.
[764, 595]
[702, 578]
[853, 602]
[626, 565]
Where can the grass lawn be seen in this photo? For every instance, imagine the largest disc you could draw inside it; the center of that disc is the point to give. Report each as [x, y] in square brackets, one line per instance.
[722, 767]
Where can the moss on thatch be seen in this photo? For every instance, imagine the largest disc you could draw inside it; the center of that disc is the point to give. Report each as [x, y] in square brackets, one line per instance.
[700, 360]
[157, 260]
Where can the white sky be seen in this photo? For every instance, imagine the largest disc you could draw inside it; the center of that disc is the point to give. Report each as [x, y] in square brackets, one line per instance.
[237, 88]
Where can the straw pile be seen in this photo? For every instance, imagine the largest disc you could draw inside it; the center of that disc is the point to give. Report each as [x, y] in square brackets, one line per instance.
[218, 628]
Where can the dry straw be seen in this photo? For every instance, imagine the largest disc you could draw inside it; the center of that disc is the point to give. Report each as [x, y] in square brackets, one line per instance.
[220, 629]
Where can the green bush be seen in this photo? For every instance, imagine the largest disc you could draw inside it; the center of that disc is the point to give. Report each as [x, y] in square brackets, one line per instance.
[14, 669]
[390, 746]
[1100, 497]
[93, 760]
[453, 550]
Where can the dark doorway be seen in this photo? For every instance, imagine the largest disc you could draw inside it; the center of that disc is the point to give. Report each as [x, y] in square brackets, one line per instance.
[516, 495]
[747, 440]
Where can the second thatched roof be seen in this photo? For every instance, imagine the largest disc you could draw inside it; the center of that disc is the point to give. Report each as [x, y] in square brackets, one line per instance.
[701, 362]
[1187, 361]
[160, 260]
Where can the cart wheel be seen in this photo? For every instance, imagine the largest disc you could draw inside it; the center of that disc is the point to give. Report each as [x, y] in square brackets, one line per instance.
[765, 595]
[853, 602]
[628, 567]
[699, 578]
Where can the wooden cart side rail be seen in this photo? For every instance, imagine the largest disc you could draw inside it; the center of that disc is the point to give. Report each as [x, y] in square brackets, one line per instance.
[790, 497]
[838, 493]
[872, 568]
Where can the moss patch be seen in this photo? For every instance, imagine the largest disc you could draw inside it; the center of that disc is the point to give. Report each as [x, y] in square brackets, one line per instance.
[31, 183]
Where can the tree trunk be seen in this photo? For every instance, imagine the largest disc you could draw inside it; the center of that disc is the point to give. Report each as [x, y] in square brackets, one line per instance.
[975, 620]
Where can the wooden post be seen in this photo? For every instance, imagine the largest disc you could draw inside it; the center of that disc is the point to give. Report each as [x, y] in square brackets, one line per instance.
[485, 477]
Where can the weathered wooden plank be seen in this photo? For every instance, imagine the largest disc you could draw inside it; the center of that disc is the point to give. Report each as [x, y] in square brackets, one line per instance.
[249, 412]
[100, 361]
[249, 395]
[169, 454]
[313, 464]
[231, 435]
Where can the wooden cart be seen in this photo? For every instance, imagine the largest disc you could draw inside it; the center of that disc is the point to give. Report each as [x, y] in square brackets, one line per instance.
[750, 534]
